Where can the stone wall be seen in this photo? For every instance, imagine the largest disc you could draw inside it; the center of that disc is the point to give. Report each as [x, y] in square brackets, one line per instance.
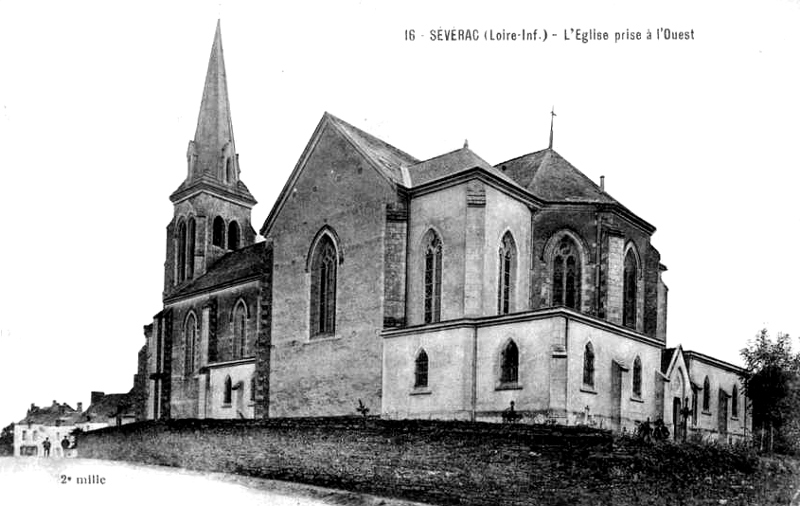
[720, 415]
[215, 341]
[446, 213]
[339, 191]
[581, 223]
[601, 294]
[448, 394]
[610, 404]
[434, 462]
[550, 372]
[506, 214]
[394, 266]
[242, 401]
[204, 208]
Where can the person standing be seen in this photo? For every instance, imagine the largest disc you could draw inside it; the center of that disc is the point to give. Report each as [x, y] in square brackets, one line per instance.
[46, 446]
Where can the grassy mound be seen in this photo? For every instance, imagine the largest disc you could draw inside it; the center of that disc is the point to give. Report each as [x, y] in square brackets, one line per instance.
[698, 473]
[447, 462]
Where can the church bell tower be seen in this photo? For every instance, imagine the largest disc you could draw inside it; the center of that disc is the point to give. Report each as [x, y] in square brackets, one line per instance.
[212, 206]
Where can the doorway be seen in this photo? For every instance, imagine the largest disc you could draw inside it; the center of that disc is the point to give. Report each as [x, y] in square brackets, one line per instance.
[616, 396]
[676, 418]
[722, 415]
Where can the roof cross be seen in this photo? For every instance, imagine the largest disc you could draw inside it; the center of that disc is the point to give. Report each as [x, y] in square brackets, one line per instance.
[552, 115]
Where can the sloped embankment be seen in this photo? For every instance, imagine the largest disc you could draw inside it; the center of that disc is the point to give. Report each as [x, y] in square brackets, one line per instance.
[445, 462]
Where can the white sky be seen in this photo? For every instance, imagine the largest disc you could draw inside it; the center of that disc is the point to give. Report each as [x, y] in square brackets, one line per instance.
[99, 100]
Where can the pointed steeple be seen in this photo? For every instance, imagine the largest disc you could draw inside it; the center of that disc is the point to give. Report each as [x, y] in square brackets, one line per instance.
[213, 139]
[552, 117]
[211, 156]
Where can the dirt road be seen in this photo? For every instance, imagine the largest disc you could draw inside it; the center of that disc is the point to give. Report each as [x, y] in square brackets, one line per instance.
[83, 482]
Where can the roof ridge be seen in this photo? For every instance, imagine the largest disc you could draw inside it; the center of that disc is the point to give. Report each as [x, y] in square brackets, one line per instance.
[342, 122]
[584, 176]
[715, 359]
[523, 156]
[466, 149]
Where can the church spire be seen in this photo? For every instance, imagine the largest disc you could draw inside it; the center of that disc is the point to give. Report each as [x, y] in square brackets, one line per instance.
[212, 153]
[552, 116]
[212, 160]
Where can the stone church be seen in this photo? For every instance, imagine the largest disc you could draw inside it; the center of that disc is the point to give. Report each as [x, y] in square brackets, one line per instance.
[443, 288]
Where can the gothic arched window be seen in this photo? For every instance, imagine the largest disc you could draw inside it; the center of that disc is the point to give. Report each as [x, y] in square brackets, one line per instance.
[421, 370]
[218, 232]
[190, 343]
[190, 237]
[181, 267]
[735, 401]
[323, 287]
[506, 274]
[630, 275]
[239, 331]
[233, 235]
[509, 363]
[227, 391]
[433, 277]
[566, 274]
[637, 377]
[588, 365]
[706, 394]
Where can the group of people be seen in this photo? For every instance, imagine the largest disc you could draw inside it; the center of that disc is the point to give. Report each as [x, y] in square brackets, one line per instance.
[65, 445]
[659, 432]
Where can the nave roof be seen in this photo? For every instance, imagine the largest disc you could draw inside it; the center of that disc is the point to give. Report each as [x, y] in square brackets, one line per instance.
[234, 266]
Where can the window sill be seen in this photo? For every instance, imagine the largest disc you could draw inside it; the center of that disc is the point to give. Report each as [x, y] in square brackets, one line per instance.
[321, 338]
[420, 391]
[508, 386]
[588, 389]
[225, 406]
[734, 418]
[707, 413]
[637, 399]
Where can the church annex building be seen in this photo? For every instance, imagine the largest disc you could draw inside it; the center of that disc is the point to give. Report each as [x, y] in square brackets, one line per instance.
[442, 288]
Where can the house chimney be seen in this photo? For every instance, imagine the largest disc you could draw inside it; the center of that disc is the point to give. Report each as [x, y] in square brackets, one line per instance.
[603, 183]
[80, 407]
[96, 396]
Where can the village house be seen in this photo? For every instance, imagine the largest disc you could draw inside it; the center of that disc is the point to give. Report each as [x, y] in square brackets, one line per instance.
[52, 423]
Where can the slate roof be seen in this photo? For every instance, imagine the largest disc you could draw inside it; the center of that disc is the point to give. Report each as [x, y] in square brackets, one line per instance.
[386, 157]
[236, 265]
[51, 414]
[708, 359]
[109, 406]
[550, 177]
[451, 163]
[544, 174]
[666, 358]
